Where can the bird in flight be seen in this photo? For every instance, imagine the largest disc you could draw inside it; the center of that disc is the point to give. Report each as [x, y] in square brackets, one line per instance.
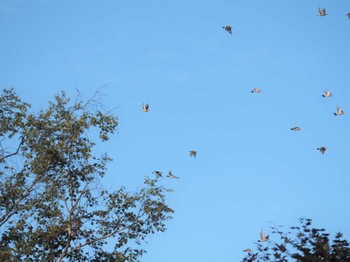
[263, 238]
[339, 111]
[322, 149]
[193, 153]
[157, 173]
[228, 28]
[256, 90]
[145, 107]
[295, 128]
[248, 250]
[170, 175]
[327, 93]
[322, 11]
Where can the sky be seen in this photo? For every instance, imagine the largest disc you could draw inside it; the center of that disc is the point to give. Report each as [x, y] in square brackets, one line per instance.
[251, 170]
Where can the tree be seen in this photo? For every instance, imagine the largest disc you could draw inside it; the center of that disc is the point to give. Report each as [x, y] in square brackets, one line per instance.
[303, 243]
[53, 206]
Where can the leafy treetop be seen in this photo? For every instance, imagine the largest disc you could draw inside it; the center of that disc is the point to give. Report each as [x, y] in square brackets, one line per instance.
[52, 204]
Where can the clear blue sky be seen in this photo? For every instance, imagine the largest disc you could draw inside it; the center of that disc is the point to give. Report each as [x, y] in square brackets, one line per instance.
[251, 170]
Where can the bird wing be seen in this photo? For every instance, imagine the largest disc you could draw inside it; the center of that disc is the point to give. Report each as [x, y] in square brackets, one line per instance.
[262, 235]
[322, 11]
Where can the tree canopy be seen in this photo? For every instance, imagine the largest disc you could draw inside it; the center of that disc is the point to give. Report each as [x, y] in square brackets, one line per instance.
[53, 206]
[303, 243]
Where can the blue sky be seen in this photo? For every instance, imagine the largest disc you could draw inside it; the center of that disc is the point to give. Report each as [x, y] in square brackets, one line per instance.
[251, 170]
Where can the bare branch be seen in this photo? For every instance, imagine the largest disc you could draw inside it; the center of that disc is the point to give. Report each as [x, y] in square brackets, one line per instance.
[14, 153]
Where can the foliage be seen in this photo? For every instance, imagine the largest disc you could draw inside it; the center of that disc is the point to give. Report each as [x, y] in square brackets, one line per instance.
[53, 206]
[304, 243]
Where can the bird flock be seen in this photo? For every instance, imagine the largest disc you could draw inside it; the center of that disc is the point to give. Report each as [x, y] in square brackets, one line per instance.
[321, 12]
[228, 28]
[327, 94]
[193, 153]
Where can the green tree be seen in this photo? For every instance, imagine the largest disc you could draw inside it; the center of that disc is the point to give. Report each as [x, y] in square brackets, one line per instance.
[303, 243]
[53, 206]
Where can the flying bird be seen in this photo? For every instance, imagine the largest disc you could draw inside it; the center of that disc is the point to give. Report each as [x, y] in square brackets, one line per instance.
[157, 173]
[145, 107]
[327, 93]
[322, 11]
[256, 90]
[170, 175]
[248, 250]
[339, 111]
[193, 153]
[263, 238]
[295, 128]
[228, 28]
[322, 149]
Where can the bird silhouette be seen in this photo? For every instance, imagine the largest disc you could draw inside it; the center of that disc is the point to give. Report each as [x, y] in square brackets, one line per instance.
[170, 175]
[248, 250]
[193, 153]
[339, 111]
[327, 93]
[322, 11]
[228, 28]
[295, 128]
[322, 149]
[157, 173]
[256, 90]
[263, 237]
[145, 107]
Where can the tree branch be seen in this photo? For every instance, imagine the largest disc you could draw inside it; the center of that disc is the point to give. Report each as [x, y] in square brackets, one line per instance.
[14, 153]
[69, 220]
[7, 215]
[107, 235]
